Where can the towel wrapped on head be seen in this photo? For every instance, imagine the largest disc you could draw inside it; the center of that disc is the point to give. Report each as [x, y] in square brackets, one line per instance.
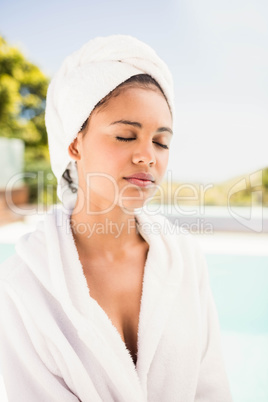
[86, 77]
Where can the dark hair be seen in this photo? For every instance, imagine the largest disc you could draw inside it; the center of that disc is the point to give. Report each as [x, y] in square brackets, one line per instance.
[136, 81]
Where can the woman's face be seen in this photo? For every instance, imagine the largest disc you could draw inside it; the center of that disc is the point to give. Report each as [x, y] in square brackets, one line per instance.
[130, 135]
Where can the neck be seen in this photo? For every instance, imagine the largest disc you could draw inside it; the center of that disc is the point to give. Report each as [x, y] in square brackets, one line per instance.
[111, 233]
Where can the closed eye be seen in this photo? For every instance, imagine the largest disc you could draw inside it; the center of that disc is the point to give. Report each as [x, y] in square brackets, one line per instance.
[131, 139]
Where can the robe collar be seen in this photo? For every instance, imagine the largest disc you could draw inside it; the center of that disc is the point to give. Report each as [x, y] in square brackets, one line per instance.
[162, 275]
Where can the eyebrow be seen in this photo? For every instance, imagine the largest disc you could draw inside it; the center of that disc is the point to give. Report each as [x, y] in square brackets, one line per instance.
[139, 125]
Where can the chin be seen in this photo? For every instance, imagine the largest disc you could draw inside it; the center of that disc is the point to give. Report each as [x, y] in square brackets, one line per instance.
[131, 205]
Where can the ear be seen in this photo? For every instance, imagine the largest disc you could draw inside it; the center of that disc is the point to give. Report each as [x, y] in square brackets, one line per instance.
[73, 150]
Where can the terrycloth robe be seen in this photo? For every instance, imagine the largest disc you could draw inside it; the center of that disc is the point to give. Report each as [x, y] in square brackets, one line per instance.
[58, 345]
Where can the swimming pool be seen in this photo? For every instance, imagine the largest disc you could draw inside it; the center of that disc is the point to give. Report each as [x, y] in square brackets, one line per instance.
[239, 286]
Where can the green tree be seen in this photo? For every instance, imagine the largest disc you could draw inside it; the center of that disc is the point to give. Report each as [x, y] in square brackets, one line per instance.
[265, 178]
[23, 88]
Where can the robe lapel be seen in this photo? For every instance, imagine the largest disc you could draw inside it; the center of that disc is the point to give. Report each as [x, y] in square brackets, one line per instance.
[94, 327]
[162, 274]
[160, 289]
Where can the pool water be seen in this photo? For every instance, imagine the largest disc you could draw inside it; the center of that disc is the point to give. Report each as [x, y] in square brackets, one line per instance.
[6, 250]
[239, 285]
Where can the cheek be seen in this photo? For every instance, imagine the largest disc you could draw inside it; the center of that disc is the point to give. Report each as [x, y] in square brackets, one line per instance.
[106, 158]
[95, 154]
[117, 155]
[163, 160]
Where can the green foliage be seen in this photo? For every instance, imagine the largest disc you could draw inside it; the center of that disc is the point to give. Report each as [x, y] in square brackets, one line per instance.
[265, 178]
[220, 194]
[39, 177]
[23, 89]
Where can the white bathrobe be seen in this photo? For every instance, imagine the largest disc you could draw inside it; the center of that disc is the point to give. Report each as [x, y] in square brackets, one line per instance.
[58, 344]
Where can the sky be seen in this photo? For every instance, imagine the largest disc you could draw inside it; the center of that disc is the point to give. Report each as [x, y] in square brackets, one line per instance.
[217, 51]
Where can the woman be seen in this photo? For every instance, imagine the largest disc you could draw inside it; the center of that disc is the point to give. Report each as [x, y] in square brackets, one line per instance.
[105, 302]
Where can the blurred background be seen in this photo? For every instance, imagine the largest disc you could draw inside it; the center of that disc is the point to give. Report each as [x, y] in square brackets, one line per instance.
[216, 184]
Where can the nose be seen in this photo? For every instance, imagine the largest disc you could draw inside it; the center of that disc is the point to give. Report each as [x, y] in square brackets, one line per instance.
[144, 154]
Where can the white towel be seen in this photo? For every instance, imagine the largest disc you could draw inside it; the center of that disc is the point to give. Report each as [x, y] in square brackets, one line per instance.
[57, 344]
[86, 77]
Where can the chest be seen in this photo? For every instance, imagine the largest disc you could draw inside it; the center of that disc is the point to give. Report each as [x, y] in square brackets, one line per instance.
[118, 289]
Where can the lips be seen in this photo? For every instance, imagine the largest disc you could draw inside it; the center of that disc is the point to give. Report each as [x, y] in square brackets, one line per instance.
[141, 179]
[141, 176]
